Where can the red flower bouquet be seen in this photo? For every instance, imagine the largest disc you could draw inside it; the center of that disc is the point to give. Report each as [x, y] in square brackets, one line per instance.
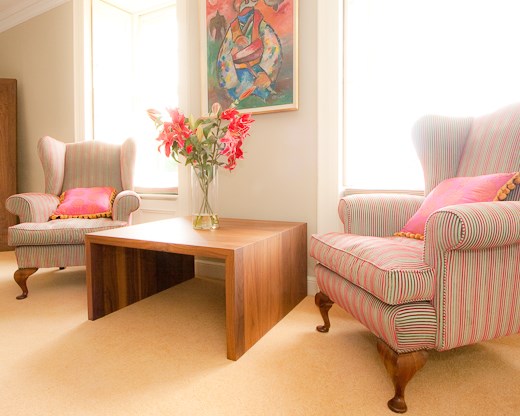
[203, 143]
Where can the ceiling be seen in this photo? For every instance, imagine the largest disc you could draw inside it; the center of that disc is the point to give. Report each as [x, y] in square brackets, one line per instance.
[138, 6]
[13, 12]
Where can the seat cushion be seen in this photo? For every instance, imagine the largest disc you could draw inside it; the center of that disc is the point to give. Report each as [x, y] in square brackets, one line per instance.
[56, 232]
[390, 268]
[407, 327]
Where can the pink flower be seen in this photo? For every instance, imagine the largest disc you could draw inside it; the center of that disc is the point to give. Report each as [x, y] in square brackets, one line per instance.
[154, 115]
[174, 133]
[240, 124]
[232, 149]
[229, 114]
[206, 140]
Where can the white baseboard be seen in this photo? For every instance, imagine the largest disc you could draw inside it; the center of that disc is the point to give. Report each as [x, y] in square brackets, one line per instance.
[312, 286]
[215, 269]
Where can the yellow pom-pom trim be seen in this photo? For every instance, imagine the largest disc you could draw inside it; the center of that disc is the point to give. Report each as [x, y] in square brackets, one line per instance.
[409, 235]
[508, 187]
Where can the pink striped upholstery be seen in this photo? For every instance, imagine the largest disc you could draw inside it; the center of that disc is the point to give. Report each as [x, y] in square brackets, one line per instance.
[89, 164]
[439, 142]
[493, 144]
[476, 250]
[32, 207]
[67, 231]
[462, 284]
[128, 151]
[392, 268]
[39, 242]
[407, 327]
[125, 203]
[52, 157]
[377, 215]
[51, 256]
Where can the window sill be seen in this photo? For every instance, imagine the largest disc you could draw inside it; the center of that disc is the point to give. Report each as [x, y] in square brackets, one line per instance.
[381, 191]
[158, 196]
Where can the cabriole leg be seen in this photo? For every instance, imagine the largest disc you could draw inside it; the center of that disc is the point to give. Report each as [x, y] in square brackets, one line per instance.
[401, 368]
[20, 277]
[323, 302]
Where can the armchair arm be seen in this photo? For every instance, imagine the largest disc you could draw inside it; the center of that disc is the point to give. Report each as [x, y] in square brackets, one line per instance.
[474, 250]
[473, 226]
[377, 214]
[125, 203]
[32, 207]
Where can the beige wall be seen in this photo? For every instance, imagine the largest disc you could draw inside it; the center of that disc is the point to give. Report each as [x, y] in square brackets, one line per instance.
[277, 179]
[39, 54]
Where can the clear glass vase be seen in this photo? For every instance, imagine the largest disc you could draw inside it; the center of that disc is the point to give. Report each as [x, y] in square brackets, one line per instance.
[204, 193]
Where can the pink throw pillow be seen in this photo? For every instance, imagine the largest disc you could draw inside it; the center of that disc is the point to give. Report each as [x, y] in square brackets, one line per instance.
[461, 190]
[85, 203]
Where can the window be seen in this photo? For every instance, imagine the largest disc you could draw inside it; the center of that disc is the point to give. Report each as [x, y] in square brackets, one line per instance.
[134, 55]
[407, 58]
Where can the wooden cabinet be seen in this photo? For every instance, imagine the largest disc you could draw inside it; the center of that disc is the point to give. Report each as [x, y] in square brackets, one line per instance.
[7, 155]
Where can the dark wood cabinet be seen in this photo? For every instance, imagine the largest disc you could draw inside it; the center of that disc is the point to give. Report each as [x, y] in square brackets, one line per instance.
[7, 155]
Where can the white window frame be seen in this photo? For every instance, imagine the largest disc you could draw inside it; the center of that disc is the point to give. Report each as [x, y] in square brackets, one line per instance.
[330, 115]
[154, 204]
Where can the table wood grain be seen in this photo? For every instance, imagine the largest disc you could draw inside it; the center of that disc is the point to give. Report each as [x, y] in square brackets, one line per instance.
[265, 269]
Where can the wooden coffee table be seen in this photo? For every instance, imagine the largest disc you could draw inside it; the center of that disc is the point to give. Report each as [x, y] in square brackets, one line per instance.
[265, 269]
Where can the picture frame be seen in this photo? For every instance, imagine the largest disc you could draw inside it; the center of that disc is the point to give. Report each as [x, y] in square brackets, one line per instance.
[249, 54]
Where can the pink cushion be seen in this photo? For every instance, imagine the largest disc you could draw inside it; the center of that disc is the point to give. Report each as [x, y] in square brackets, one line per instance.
[460, 190]
[85, 203]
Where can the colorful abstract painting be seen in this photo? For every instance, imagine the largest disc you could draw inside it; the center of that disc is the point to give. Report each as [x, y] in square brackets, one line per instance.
[250, 45]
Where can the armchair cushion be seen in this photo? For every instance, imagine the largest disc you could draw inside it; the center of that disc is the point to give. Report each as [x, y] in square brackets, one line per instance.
[93, 202]
[460, 190]
[58, 232]
[406, 327]
[392, 268]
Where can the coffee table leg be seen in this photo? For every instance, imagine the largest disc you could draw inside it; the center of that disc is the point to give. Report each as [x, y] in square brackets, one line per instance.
[120, 276]
[264, 282]
[235, 331]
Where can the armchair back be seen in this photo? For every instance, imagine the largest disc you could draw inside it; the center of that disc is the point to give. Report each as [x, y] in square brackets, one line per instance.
[466, 146]
[86, 164]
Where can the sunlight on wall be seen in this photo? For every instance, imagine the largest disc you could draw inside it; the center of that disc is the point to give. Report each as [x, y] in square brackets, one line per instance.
[407, 58]
[135, 67]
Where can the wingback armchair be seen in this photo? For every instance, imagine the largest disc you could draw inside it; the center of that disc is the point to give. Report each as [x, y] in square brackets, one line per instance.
[41, 242]
[455, 283]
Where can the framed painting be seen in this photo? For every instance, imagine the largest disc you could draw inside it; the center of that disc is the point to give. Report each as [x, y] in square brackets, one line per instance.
[250, 54]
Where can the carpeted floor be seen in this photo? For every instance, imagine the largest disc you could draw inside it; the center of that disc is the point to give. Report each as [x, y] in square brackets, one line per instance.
[166, 355]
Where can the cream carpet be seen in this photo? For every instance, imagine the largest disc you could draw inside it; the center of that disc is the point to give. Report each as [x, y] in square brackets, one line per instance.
[166, 355]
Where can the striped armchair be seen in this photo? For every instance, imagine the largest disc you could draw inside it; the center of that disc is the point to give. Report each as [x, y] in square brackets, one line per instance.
[40, 242]
[458, 286]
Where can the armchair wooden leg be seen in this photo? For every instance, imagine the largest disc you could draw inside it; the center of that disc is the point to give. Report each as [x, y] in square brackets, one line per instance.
[401, 368]
[20, 277]
[323, 302]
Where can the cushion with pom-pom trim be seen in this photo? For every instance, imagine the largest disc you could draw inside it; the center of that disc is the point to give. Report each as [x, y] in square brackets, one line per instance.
[88, 203]
[460, 190]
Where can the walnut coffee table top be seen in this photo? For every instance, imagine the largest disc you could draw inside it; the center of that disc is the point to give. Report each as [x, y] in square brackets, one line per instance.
[178, 232]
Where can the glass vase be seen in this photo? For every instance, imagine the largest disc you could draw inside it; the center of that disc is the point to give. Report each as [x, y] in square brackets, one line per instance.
[204, 193]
